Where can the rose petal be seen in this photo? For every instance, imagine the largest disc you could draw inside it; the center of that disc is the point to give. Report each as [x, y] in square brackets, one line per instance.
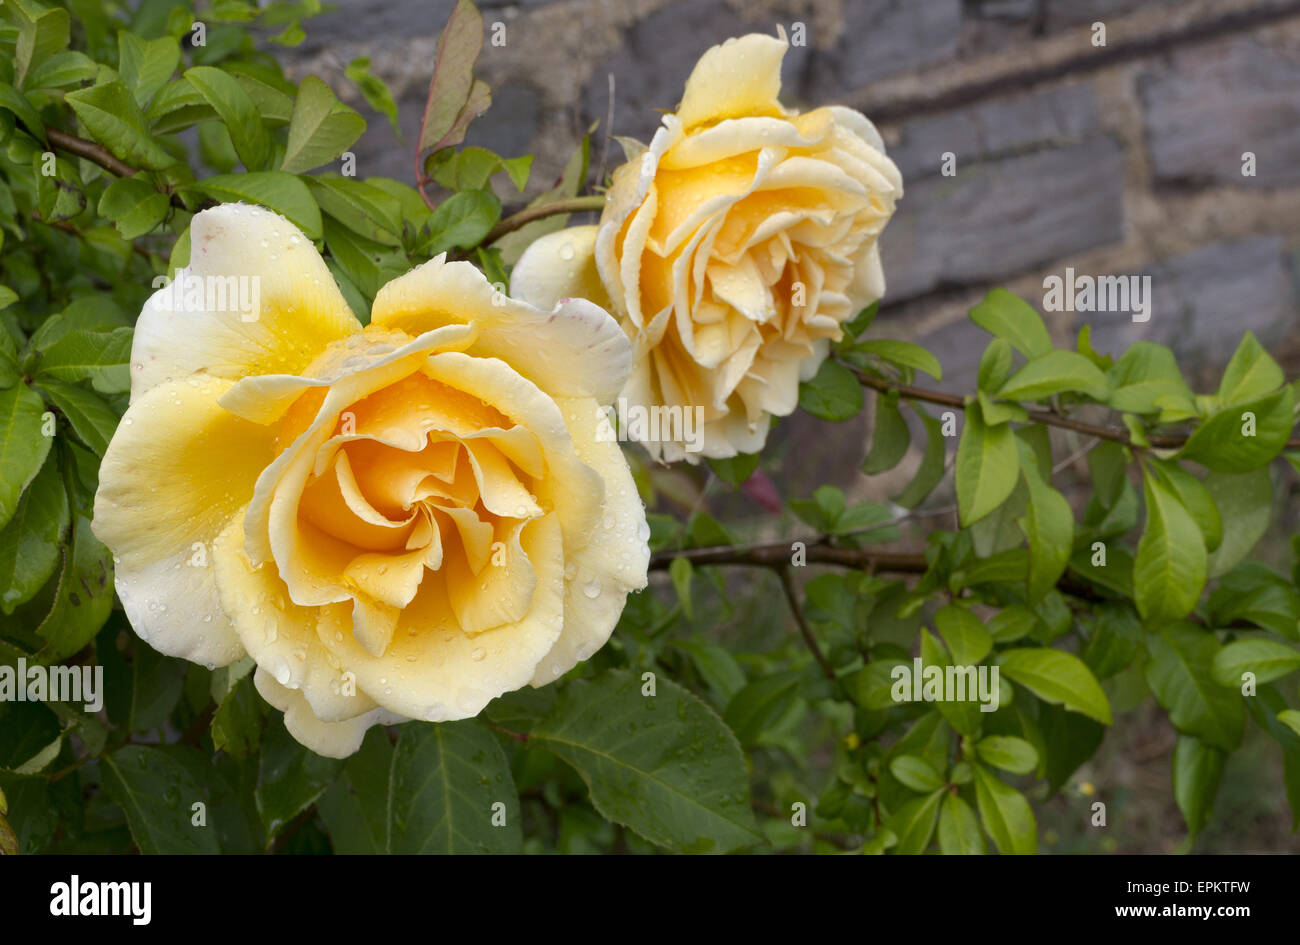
[575, 349]
[329, 739]
[177, 470]
[300, 308]
[558, 266]
[739, 77]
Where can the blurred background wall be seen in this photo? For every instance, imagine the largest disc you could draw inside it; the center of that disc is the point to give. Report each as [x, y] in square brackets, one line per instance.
[1123, 159]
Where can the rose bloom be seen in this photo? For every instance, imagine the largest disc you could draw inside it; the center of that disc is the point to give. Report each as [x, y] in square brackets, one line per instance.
[732, 249]
[401, 521]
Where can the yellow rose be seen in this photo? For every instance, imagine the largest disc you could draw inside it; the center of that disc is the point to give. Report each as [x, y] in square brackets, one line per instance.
[399, 521]
[732, 249]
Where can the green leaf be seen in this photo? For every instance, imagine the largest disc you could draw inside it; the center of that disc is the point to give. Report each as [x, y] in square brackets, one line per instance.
[1006, 814]
[1049, 527]
[1170, 569]
[237, 111]
[103, 357]
[1195, 498]
[146, 65]
[275, 190]
[1008, 753]
[832, 394]
[156, 792]
[23, 445]
[760, 705]
[959, 831]
[237, 723]
[1252, 592]
[1250, 375]
[1068, 740]
[321, 129]
[988, 462]
[914, 822]
[111, 115]
[930, 473]
[41, 33]
[1291, 719]
[965, 634]
[902, 353]
[362, 208]
[663, 765]
[452, 88]
[16, 102]
[915, 772]
[964, 715]
[29, 543]
[995, 365]
[1245, 504]
[92, 420]
[735, 470]
[1053, 373]
[1198, 769]
[1007, 316]
[1115, 639]
[140, 695]
[374, 91]
[290, 777]
[1145, 375]
[62, 70]
[472, 168]
[134, 206]
[1267, 659]
[860, 322]
[84, 597]
[463, 220]
[1059, 678]
[1240, 438]
[890, 437]
[1179, 670]
[680, 571]
[436, 792]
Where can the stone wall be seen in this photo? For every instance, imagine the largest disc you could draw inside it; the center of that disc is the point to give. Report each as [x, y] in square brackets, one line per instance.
[1121, 159]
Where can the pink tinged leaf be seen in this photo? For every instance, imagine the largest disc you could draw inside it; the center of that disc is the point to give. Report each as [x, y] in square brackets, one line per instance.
[453, 87]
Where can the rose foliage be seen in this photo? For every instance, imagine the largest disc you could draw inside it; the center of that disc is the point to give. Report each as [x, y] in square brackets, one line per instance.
[366, 568]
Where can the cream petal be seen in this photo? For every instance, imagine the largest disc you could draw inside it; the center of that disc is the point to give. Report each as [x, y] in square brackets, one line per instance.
[574, 349]
[558, 266]
[280, 635]
[859, 124]
[177, 470]
[614, 558]
[569, 485]
[338, 739]
[868, 278]
[435, 671]
[739, 77]
[730, 137]
[265, 398]
[299, 309]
